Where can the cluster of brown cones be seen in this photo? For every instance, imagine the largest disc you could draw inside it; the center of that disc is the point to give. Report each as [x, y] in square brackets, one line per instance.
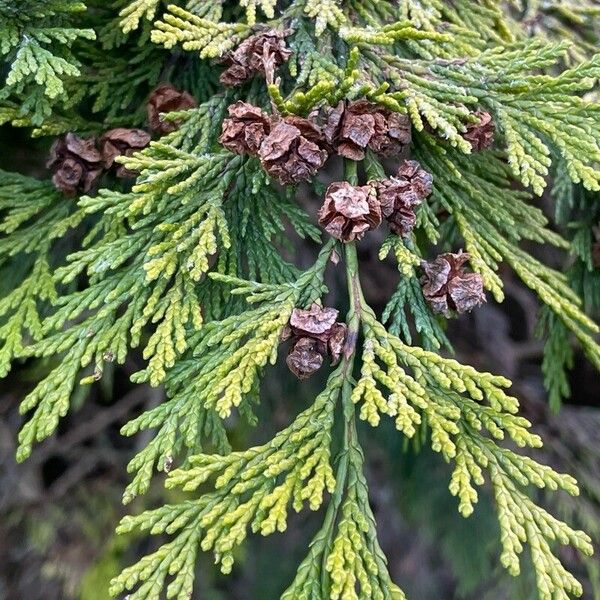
[292, 148]
[348, 211]
[315, 334]
[78, 162]
[350, 127]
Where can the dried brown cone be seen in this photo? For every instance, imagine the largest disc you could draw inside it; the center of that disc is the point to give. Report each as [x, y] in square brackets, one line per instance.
[480, 135]
[304, 358]
[315, 322]
[400, 195]
[316, 334]
[245, 129]
[352, 127]
[448, 287]
[122, 142]
[164, 99]
[293, 151]
[348, 211]
[251, 56]
[76, 162]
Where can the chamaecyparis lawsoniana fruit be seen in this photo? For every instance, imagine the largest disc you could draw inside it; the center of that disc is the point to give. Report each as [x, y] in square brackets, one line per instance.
[259, 131]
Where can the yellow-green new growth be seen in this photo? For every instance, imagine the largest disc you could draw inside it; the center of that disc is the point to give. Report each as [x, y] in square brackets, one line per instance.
[211, 39]
[252, 489]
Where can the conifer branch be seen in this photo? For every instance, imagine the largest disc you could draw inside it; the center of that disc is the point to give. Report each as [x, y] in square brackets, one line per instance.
[345, 555]
[194, 261]
[253, 488]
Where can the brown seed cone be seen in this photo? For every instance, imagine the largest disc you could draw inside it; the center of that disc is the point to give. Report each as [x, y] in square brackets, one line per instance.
[251, 56]
[447, 287]
[316, 322]
[122, 142]
[400, 195]
[304, 358]
[293, 151]
[421, 181]
[76, 162]
[245, 128]
[164, 99]
[316, 334]
[480, 135]
[348, 212]
[352, 127]
[397, 204]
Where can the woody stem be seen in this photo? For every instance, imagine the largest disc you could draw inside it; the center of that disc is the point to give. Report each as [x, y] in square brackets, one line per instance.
[349, 352]
[353, 321]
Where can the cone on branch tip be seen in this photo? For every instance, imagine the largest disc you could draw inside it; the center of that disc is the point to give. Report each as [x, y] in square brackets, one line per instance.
[294, 150]
[481, 134]
[348, 211]
[76, 163]
[165, 99]
[304, 358]
[352, 127]
[316, 334]
[253, 55]
[245, 129]
[400, 195]
[122, 142]
[448, 288]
